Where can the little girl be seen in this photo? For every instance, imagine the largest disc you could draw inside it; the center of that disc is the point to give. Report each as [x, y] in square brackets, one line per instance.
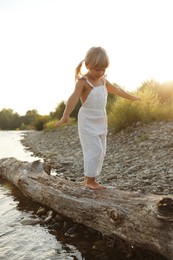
[92, 88]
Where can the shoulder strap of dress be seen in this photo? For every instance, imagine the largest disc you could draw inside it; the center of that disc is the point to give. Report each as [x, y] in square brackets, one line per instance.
[87, 80]
[104, 79]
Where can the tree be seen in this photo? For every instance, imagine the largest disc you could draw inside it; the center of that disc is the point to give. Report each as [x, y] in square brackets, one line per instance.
[58, 111]
[9, 120]
[30, 117]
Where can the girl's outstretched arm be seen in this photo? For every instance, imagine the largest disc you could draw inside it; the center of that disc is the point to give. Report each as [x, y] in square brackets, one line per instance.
[71, 103]
[120, 92]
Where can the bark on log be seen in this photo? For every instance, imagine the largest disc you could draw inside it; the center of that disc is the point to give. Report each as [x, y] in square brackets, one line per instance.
[144, 220]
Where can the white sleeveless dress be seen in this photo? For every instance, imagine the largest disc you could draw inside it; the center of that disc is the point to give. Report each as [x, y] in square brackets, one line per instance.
[92, 128]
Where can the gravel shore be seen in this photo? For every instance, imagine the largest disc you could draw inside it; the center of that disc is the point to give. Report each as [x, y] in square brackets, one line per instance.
[139, 158]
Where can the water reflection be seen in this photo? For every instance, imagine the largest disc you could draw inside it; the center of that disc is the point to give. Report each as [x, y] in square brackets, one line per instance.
[24, 241]
[10, 146]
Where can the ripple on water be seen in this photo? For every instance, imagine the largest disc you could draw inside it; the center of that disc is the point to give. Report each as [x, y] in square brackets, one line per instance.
[19, 241]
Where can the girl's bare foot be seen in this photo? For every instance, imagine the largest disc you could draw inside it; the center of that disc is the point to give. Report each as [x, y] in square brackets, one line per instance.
[100, 186]
[94, 186]
[82, 183]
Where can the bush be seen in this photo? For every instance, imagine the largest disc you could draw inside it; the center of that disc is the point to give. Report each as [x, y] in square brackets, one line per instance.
[125, 113]
[151, 107]
[39, 122]
[51, 124]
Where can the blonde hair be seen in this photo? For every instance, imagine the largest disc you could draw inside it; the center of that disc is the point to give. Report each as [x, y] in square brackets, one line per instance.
[96, 57]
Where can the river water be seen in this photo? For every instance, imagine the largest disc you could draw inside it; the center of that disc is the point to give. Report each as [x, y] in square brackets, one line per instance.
[38, 242]
[19, 241]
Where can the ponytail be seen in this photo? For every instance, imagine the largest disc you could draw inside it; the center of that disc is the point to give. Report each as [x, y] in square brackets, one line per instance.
[78, 70]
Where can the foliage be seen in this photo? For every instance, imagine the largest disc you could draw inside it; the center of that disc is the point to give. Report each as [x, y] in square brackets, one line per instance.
[9, 120]
[123, 113]
[155, 105]
[51, 124]
[58, 111]
[30, 117]
[110, 101]
[40, 122]
[164, 90]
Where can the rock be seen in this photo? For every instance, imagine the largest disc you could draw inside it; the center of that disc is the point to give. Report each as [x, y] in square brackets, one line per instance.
[41, 211]
[30, 221]
[48, 219]
[132, 154]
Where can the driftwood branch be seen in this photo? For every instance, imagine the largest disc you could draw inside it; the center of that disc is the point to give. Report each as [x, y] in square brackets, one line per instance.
[144, 220]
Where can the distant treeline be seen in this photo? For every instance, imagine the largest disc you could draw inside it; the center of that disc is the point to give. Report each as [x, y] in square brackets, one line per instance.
[156, 105]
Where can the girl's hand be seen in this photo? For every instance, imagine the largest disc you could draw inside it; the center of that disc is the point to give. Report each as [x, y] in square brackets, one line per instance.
[64, 119]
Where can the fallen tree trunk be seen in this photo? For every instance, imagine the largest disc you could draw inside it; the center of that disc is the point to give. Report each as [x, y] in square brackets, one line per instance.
[144, 220]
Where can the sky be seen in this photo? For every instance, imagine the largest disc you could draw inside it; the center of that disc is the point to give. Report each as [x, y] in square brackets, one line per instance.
[42, 42]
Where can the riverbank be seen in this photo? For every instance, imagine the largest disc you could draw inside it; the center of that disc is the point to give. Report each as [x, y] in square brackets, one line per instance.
[138, 158]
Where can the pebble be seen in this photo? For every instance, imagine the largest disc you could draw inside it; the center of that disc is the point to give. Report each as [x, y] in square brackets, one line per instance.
[138, 158]
[30, 221]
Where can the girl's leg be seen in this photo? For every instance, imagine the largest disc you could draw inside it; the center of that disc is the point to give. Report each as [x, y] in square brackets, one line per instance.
[92, 153]
[103, 139]
[94, 148]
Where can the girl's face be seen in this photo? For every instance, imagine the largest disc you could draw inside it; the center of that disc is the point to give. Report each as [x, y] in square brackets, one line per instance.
[97, 72]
